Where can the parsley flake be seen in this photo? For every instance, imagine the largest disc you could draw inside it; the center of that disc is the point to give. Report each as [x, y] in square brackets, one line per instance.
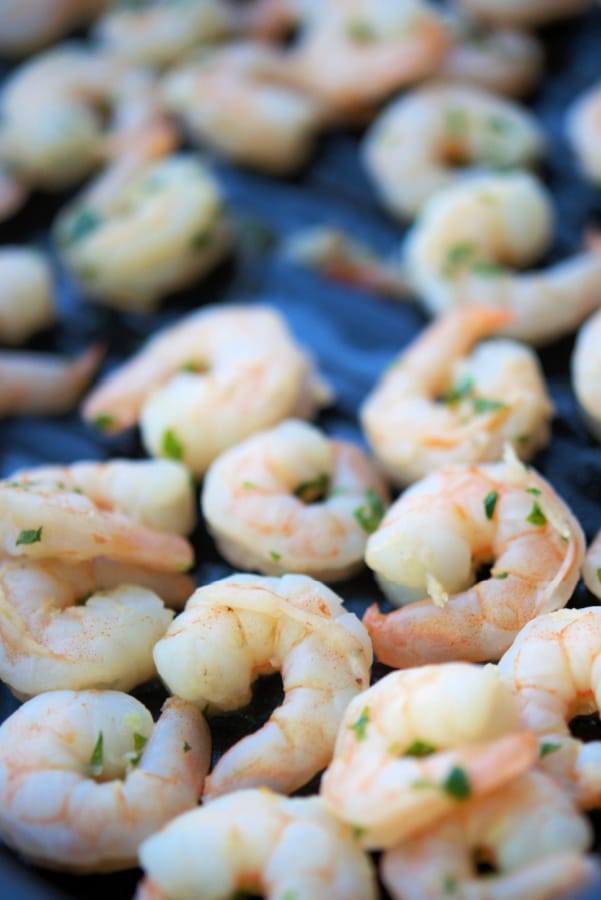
[104, 422]
[96, 764]
[481, 405]
[312, 491]
[359, 831]
[186, 748]
[533, 490]
[502, 575]
[249, 485]
[201, 241]
[30, 536]
[371, 513]
[598, 574]
[546, 748]
[449, 884]
[79, 225]
[457, 784]
[360, 31]
[419, 749]
[490, 502]
[172, 447]
[458, 257]
[536, 516]
[460, 392]
[275, 555]
[360, 726]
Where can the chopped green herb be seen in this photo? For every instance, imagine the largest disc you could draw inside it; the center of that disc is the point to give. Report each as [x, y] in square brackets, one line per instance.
[250, 485]
[83, 600]
[457, 784]
[172, 447]
[420, 748]
[422, 783]
[104, 422]
[522, 439]
[275, 555]
[481, 405]
[460, 391]
[533, 490]
[598, 574]
[371, 513]
[488, 268]
[360, 31]
[449, 884]
[186, 748]
[502, 575]
[310, 491]
[289, 895]
[537, 516]
[189, 367]
[546, 748]
[456, 120]
[498, 124]
[490, 502]
[30, 536]
[458, 257]
[201, 241]
[79, 225]
[360, 726]
[139, 743]
[96, 764]
[87, 273]
[359, 831]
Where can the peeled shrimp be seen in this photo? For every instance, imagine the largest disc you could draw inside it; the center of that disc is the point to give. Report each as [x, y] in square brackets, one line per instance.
[586, 372]
[260, 843]
[412, 150]
[432, 542]
[591, 570]
[26, 302]
[28, 25]
[58, 519]
[291, 500]
[468, 235]
[244, 626]
[227, 102]
[44, 384]
[528, 830]
[13, 193]
[495, 395]
[208, 382]
[523, 13]
[57, 630]
[584, 131]
[85, 777]
[418, 743]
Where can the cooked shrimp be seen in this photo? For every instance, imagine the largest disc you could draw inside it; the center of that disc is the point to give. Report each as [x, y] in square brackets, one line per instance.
[44, 384]
[553, 667]
[529, 831]
[13, 193]
[53, 110]
[244, 626]
[520, 14]
[291, 500]
[417, 743]
[260, 843]
[57, 630]
[26, 302]
[208, 382]
[468, 235]
[495, 395]
[144, 230]
[56, 519]
[591, 570]
[85, 777]
[584, 131]
[226, 101]
[586, 372]
[412, 150]
[432, 542]
[28, 25]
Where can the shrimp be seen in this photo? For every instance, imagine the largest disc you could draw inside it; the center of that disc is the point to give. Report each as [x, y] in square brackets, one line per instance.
[53, 111]
[57, 630]
[28, 25]
[459, 250]
[434, 539]
[257, 842]
[58, 519]
[244, 626]
[520, 14]
[553, 667]
[413, 147]
[496, 395]
[26, 301]
[291, 500]
[586, 372]
[591, 570]
[42, 383]
[85, 777]
[143, 230]
[529, 831]
[13, 193]
[227, 102]
[418, 743]
[583, 125]
[209, 381]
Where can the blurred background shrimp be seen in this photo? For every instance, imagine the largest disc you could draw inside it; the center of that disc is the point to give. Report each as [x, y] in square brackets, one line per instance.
[104, 777]
[434, 405]
[583, 126]
[28, 25]
[26, 293]
[523, 13]
[586, 372]
[591, 570]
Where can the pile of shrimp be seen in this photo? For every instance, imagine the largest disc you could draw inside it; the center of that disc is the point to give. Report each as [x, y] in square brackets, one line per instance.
[459, 767]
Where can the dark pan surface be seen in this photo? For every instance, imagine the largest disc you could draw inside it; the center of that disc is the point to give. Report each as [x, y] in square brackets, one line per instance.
[352, 335]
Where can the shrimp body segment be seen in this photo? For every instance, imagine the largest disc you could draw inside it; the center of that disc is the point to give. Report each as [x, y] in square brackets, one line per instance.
[469, 237]
[400, 741]
[244, 626]
[412, 150]
[290, 500]
[494, 395]
[518, 14]
[434, 539]
[26, 302]
[554, 668]
[584, 131]
[85, 777]
[28, 25]
[529, 830]
[208, 382]
[591, 570]
[258, 842]
[586, 372]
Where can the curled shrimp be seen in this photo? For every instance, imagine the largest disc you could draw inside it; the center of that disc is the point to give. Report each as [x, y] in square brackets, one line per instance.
[586, 372]
[418, 743]
[42, 383]
[255, 841]
[291, 500]
[583, 127]
[529, 831]
[244, 626]
[591, 570]
[434, 539]
[226, 101]
[208, 382]
[462, 247]
[85, 777]
[28, 25]
[55, 518]
[26, 301]
[520, 14]
[412, 149]
[58, 630]
[495, 395]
